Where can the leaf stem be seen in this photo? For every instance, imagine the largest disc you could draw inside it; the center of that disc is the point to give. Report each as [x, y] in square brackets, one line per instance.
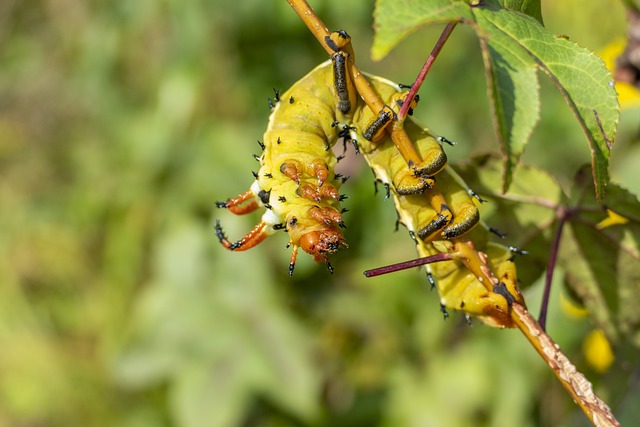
[425, 69]
[539, 201]
[562, 215]
[409, 264]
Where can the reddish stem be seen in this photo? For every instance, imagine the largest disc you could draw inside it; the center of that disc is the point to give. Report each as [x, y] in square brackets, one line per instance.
[409, 264]
[425, 69]
[563, 215]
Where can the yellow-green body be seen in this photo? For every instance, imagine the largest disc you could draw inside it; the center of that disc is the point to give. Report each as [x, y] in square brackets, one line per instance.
[301, 131]
[297, 185]
[458, 286]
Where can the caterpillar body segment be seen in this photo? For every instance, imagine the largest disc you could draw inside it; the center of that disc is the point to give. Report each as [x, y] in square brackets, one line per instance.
[442, 218]
[372, 126]
[461, 289]
[296, 183]
[486, 291]
[390, 167]
[393, 170]
[430, 150]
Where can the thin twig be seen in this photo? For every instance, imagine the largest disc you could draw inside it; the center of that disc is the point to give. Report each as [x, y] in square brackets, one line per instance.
[409, 264]
[415, 87]
[562, 215]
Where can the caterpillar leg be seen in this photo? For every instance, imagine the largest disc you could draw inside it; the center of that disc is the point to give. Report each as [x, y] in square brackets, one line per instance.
[375, 129]
[434, 159]
[418, 146]
[449, 225]
[251, 239]
[406, 183]
[454, 217]
[417, 178]
[236, 204]
[344, 90]
[294, 256]
[431, 231]
[338, 40]
[492, 307]
[506, 272]
[466, 217]
[345, 93]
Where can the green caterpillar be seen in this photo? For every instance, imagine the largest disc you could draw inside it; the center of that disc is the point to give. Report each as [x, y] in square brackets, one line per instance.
[298, 187]
[296, 182]
[459, 287]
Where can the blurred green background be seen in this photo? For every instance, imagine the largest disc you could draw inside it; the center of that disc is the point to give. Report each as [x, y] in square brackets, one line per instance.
[121, 122]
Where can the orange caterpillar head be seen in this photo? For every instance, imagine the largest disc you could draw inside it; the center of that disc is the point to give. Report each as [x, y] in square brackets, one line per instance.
[317, 232]
[321, 243]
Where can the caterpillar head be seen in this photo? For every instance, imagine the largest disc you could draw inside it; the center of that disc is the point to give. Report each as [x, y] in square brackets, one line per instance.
[321, 243]
[317, 232]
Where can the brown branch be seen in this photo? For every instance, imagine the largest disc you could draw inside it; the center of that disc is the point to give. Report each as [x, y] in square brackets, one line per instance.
[571, 379]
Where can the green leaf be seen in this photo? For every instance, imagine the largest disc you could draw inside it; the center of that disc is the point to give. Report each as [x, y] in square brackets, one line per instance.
[514, 93]
[514, 45]
[602, 264]
[528, 7]
[395, 20]
[604, 273]
[601, 260]
[581, 77]
[525, 214]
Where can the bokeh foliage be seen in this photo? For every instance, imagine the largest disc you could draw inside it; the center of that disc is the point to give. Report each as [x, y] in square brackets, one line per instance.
[122, 122]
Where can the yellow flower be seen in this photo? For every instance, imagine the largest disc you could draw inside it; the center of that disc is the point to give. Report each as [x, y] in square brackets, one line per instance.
[571, 308]
[611, 219]
[597, 351]
[628, 95]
